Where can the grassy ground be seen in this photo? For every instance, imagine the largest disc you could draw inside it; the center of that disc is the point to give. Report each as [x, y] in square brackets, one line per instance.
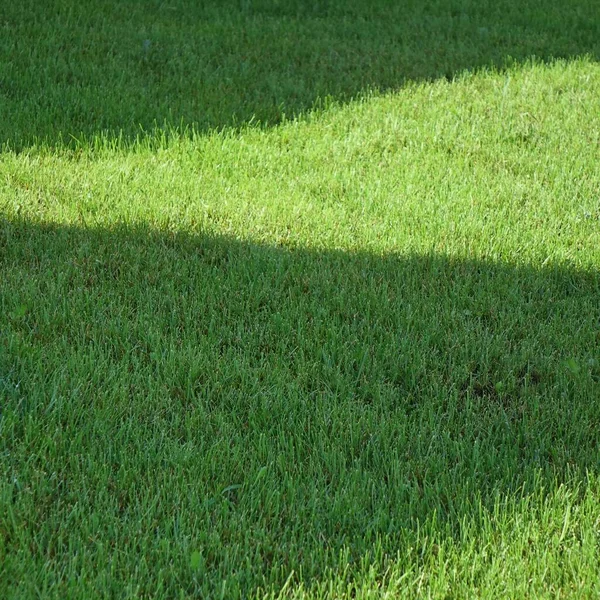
[122, 67]
[353, 354]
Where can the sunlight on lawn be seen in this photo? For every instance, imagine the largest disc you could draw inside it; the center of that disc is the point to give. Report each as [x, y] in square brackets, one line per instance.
[346, 355]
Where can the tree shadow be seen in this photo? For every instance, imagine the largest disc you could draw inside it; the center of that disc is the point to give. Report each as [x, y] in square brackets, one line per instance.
[280, 406]
[124, 69]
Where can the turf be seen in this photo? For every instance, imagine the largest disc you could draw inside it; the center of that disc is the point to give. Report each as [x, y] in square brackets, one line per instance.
[321, 324]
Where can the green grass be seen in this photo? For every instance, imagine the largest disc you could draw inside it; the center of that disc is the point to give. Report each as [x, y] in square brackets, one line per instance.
[349, 354]
[70, 70]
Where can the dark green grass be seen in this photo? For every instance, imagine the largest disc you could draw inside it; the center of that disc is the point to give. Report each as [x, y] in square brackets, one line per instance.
[70, 71]
[275, 410]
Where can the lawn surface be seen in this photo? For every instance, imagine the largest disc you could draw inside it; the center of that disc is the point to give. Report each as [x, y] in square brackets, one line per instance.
[300, 300]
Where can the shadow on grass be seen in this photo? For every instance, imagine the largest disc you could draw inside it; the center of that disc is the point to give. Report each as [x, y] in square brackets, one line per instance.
[69, 73]
[276, 408]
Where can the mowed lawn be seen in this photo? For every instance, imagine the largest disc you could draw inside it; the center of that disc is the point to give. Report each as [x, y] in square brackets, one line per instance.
[300, 299]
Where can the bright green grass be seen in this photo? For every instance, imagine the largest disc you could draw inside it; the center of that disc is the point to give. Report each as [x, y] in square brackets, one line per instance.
[354, 355]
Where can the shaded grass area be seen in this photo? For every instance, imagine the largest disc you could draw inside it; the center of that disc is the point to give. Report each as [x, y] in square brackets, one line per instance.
[72, 71]
[268, 413]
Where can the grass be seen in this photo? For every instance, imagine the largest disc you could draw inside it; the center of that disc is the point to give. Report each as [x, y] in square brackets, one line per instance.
[71, 71]
[349, 354]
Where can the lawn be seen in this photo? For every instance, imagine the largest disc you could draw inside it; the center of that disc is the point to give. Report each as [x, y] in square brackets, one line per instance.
[300, 299]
